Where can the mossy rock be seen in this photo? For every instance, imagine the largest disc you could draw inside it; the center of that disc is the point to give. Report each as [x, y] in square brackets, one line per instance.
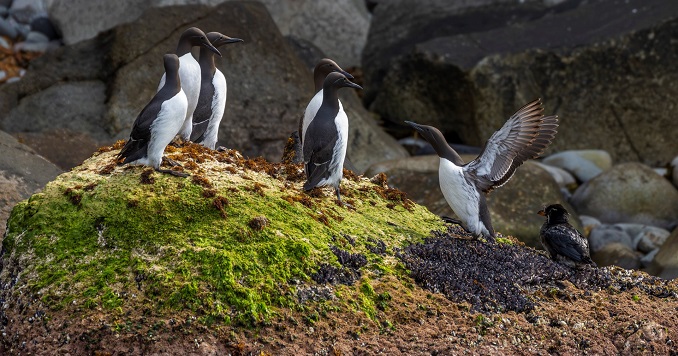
[234, 242]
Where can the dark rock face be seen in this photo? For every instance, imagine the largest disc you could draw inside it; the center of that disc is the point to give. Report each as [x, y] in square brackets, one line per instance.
[22, 173]
[595, 64]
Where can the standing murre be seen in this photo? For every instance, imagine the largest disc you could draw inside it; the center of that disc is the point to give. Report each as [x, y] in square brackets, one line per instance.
[212, 99]
[562, 241]
[158, 122]
[189, 71]
[524, 136]
[324, 67]
[326, 138]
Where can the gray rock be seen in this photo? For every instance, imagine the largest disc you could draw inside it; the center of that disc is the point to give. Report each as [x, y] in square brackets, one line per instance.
[603, 235]
[561, 176]
[339, 28]
[583, 164]
[629, 192]
[665, 263]
[22, 173]
[674, 171]
[617, 254]
[467, 73]
[650, 238]
[64, 123]
[589, 223]
[7, 28]
[646, 260]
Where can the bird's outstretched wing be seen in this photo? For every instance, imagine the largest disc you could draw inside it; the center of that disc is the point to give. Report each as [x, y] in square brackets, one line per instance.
[524, 136]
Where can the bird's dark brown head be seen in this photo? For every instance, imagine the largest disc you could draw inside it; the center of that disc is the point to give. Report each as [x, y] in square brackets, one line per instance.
[555, 213]
[171, 62]
[196, 37]
[433, 136]
[324, 67]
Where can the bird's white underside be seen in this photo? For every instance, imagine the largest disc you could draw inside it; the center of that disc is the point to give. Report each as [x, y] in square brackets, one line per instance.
[189, 73]
[461, 196]
[218, 107]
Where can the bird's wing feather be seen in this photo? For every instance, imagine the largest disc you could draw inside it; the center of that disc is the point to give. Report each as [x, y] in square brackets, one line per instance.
[525, 135]
[318, 162]
[141, 130]
[573, 245]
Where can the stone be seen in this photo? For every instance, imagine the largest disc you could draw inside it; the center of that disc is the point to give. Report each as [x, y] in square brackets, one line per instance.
[339, 28]
[650, 238]
[617, 254]
[665, 263]
[646, 260]
[561, 176]
[588, 223]
[7, 29]
[467, 72]
[583, 164]
[674, 171]
[22, 173]
[629, 192]
[603, 235]
[64, 123]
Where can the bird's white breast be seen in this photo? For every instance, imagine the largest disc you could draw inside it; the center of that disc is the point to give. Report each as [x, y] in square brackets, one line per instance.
[461, 196]
[339, 152]
[218, 107]
[166, 125]
[312, 109]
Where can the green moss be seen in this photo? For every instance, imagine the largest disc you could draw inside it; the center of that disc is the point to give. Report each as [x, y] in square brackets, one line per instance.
[171, 246]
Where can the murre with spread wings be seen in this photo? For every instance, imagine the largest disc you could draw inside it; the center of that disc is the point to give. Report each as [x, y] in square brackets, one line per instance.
[524, 136]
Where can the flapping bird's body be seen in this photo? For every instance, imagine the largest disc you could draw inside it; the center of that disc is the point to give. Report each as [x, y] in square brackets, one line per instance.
[524, 136]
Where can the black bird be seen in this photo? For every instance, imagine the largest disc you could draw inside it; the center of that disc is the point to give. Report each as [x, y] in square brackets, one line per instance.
[524, 136]
[326, 138]
[158, 122]
[562, 241]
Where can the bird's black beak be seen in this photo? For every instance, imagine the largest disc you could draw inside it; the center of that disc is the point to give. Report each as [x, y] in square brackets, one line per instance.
[347, 74]
[228, 40]
[415, 126]
[352, 85]
[206, 43]
[541, 212]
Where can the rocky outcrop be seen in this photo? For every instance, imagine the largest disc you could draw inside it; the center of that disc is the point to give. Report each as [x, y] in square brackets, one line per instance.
[629, 192]
[665, 262]
[468, 80]
[338, 27]
[22, 173]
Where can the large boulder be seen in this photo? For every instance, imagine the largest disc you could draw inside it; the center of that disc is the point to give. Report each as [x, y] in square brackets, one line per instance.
[467, 77]
[338, 27]
[584, 164]
[665, 263]
[22, 173]
[629, 192]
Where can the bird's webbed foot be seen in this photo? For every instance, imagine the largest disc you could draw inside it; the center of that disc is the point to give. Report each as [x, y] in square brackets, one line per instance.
[450, 220]
[171, 162]
[222, 149]
[341, 202]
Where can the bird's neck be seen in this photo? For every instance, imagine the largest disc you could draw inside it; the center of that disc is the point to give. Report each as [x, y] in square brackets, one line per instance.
[183, 47]
[318, 79]
[444, 150]
[206, 61]
[330, 97]
[172, 82]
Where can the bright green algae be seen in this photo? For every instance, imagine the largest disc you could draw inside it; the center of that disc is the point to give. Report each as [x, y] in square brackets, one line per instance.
[107, 241]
